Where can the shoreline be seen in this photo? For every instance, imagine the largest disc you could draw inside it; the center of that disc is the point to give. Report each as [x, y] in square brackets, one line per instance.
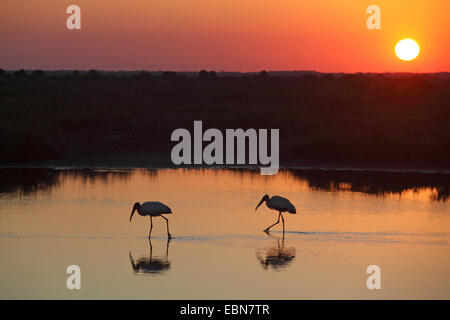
[130, 162]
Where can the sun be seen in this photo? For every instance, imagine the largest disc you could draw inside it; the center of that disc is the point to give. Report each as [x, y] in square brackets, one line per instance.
[407, 49]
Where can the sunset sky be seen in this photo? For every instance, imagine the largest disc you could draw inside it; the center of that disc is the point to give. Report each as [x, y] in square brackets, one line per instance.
[228, 35]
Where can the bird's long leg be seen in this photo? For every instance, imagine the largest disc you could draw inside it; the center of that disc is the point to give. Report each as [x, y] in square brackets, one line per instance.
[151, 227]
[278, 221]
[283, 222]
[167, 222]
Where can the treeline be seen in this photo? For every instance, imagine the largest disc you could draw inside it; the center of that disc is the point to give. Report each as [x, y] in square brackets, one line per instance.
[346, 118]
[30, 180]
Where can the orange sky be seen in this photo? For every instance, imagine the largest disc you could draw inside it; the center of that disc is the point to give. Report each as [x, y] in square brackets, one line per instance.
[230, 35]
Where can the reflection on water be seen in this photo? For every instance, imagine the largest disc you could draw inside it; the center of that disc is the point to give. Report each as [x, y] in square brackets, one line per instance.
[276, 257]
[26, 181]
[151, 264]
[380, 183]
[345, 221]
[377, 182]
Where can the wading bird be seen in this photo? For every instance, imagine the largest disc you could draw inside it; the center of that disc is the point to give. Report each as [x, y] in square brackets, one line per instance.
[152, 209]
[279, 204]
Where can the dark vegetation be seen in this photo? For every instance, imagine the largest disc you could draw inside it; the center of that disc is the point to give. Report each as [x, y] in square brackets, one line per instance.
[376, 182]
[380, 183]
[347, 118]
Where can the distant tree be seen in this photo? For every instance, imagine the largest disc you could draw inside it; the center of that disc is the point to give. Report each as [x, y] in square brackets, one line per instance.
[263, 74]
[169, 74]
[20, 73]
[93, 73]
[37, 73]
[2, 73]
[203, 74]
[75, 73]
[145, 74]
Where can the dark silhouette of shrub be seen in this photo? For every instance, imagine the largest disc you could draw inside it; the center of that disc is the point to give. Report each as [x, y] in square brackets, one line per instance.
[263, 74]
[93, 74]
[169, 74]
[20, 73]
[203, 74]
[37, 74]
[371, 119]
[145, 75]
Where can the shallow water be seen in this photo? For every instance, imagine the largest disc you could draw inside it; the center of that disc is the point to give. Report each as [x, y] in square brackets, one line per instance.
[345, 222]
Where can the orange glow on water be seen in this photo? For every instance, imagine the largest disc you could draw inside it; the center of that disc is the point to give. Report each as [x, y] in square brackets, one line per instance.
[219, 250]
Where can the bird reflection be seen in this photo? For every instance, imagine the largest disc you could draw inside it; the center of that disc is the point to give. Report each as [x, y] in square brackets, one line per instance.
[276, 257]
[152, 265]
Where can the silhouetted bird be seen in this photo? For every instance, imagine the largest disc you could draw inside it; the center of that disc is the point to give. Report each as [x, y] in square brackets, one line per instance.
[279, 204]
[152, 209]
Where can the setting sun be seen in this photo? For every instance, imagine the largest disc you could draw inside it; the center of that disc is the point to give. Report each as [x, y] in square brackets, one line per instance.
[407, 49]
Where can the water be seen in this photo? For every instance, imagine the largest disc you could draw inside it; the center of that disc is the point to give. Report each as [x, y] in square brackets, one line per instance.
[345, 221]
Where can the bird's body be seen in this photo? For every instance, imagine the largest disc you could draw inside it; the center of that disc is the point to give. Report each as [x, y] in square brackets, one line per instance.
[152, 209]
[279, 204]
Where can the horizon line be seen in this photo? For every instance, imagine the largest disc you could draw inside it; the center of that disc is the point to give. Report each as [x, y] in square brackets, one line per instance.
[221, 71]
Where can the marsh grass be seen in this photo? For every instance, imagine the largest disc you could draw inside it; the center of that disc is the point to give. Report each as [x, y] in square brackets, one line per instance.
[344, 118]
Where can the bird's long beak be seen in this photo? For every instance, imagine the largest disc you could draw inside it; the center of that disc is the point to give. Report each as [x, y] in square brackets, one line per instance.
[260, 203]
[132, 212]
